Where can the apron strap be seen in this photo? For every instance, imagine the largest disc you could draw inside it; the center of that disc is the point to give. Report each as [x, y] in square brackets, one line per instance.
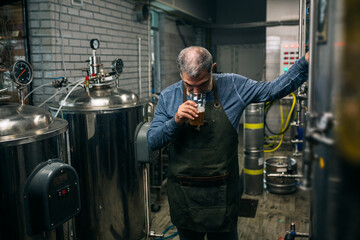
[184, 92]
[217, 104]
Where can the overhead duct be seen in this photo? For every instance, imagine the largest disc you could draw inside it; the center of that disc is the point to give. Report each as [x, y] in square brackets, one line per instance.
[199, 11]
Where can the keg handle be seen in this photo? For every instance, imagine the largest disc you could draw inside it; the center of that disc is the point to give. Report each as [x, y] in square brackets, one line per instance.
[289, 167]
[150, 111]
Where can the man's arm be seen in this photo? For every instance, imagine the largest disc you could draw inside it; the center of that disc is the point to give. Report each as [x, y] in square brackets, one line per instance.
[170, 114]
[256, 91]
[162, 128]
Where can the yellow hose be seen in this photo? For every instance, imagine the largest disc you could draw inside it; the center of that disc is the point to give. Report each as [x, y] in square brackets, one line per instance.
[276, 136]
[282, 123]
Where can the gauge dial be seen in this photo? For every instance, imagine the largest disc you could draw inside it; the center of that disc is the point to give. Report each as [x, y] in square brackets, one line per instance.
[94, 44]
[22, 72]
[117, 65]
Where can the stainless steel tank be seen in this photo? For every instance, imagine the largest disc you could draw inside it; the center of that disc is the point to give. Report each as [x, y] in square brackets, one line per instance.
[28, 137]
[102, 125]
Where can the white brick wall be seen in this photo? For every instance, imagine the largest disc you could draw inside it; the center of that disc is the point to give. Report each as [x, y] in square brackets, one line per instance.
[113, 22]
[171, 45]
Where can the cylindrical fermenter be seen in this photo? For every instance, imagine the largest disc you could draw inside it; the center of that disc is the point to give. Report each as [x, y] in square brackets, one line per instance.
[28, 136]
[253, 172]
[254, 127]
[102, 124]
[280, 185]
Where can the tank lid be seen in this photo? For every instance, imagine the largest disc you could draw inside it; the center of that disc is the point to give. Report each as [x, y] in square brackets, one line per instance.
[25, 124]
[19, 119]
[99, 98]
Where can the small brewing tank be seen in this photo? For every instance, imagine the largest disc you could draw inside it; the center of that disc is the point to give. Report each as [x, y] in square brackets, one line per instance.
[102, 125]
[281, 165]
[29, 137]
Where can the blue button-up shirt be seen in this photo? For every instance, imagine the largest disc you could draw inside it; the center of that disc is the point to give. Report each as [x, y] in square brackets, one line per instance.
[235, 92]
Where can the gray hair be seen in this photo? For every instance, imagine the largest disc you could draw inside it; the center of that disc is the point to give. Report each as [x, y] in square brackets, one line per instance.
[194, 60]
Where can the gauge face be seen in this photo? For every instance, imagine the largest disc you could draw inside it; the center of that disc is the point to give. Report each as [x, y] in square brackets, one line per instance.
[118, 65]
[22, 73]
[94, 44]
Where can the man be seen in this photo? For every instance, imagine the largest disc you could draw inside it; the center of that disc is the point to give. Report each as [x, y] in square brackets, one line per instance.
[203, 177]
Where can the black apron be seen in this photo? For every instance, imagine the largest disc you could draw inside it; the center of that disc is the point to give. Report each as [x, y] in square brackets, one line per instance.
[203, 176]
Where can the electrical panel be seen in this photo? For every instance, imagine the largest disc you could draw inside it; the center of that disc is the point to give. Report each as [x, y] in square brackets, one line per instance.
[289, 53]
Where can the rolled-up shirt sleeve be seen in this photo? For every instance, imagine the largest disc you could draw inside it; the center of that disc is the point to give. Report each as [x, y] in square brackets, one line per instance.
[163, 126]
[256, 91]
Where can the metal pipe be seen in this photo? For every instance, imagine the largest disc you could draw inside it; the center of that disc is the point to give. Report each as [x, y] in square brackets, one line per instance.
[312, 45]
[139, 68]
[301, 36]
[68, 149]
[3, 90]
[289, 22]
[308, 151]
[146, 177]
[284, 175]
[300, 26]
[320, 138]
[21, 95]
[149, 57]
[147, 200]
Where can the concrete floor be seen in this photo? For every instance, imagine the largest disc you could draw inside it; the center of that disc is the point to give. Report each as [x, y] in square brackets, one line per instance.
[274, 212]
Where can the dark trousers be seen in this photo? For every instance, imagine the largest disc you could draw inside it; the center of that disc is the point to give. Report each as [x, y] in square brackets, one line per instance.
[192, 235]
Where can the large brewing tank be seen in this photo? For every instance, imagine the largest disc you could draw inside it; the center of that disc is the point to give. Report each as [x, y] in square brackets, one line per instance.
[102, 125]
[29, 136]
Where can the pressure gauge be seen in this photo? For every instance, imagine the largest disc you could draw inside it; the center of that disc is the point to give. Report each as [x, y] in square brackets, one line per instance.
[21, 72]
[117, 65]
[94, 44]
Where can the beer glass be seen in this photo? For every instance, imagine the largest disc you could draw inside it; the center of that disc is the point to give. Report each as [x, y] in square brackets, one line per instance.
[199, 98]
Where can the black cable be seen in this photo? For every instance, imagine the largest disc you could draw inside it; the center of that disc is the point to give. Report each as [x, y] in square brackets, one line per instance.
[267, 126]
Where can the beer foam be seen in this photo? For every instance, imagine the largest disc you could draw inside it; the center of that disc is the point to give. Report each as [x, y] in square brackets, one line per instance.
[201, 109]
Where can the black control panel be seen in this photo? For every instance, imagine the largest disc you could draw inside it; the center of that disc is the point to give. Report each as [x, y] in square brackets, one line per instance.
[51, 196]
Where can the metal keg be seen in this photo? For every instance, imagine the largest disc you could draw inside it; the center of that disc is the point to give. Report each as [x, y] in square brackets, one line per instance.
[254, 127]
[254, 149]
[29, 136]
[280, 166]
[102, 126]
[253, 172]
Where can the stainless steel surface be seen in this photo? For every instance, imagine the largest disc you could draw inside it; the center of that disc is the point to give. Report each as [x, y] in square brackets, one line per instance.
[94, 64]
[276, 168]
[253, 172]
[21, 124]
[28, 137]
[147, 198]
[302, 21]
[16, 119]
[312, 46]
[102, 126]
[139, 64]
[101, 97]
[254, 127]
[308, 149]
[254, 149]
[335, 208]
[284, 175]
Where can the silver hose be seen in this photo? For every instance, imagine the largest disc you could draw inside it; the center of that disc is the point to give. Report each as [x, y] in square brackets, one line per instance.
[56, 93]
[46, 84]
[52, 96]
[64, 100]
